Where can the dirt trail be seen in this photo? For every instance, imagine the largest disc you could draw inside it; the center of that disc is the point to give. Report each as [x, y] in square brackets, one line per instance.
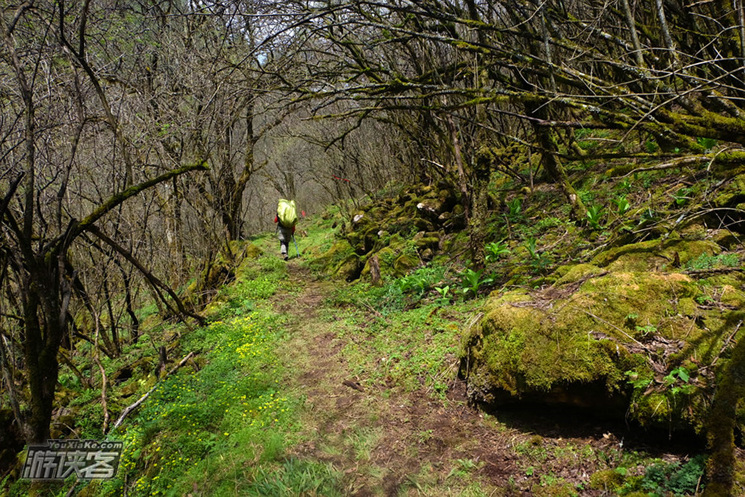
[389, 442]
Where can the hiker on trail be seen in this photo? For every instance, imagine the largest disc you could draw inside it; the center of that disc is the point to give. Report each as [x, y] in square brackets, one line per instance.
[286, 220]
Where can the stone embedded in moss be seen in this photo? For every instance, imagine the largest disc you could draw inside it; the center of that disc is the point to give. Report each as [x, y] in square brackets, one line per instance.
[253, 252]
[339, 251]
[386, 257]
[725, 238]
[350, 268]
[405, 263]
[587, 330]
[607, 480]
[424, 240]
[694, 232]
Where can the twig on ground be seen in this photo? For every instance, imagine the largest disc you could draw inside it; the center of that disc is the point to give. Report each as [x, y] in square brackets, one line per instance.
[142, 399]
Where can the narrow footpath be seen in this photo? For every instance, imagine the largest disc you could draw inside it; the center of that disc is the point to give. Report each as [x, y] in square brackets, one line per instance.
[388, 441]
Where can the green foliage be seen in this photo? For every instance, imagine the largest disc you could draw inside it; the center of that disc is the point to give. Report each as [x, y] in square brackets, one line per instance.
[204, 426]
[530, 245]
[414, 282]
[515, 209]
[586, 195]
[547, 223]
[637, 381]
[594, 216]
[622, 205]
[410, 348]
[677, 380]
[682, 196]
[625, 186]
[705, 261]
[662, 479]
[421, 280]
[704, 300]
[538, 260]
[472, 281]
[444, 291]
[707, 143]
[647, 215]
[464, 468]
[646, 330]
[495, 250]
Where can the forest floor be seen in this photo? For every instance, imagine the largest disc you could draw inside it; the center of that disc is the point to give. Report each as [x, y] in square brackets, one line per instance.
[305, 385]
[387, 439]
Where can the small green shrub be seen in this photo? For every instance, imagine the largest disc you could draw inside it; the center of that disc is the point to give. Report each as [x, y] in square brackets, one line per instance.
[594, 215]
[622, 205]
[472, 281]
[515, 209]
[662, 478]
[682, 196]
[495, 250]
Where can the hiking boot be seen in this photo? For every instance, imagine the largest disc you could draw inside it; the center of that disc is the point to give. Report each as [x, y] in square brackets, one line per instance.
[286, 258]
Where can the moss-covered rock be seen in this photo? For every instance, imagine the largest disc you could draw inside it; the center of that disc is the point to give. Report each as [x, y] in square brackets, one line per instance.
[331, 260]
[609, 334]
[253, 252]
[405, 263]
[654, 254]
[350, 268]
[386, 258]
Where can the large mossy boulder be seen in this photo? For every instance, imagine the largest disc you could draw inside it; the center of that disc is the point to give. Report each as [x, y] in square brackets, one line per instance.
[341, 260]
[625, 335]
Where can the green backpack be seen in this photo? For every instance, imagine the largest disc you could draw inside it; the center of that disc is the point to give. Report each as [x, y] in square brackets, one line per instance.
[287, 213]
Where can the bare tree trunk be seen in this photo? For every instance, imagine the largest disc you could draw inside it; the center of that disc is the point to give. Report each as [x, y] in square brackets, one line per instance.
[631, 24]
[666, 31]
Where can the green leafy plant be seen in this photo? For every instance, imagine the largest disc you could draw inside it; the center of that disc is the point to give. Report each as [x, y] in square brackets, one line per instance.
[705, 300]
[681, 197]
[636, 380]
[538, 260]
[622, 205]
[594, 215]
[647, 215]
[515, 209]
[495, 250]
[414, 282]
[707, 143]
[651, 146]
[647, 329]
[444, 291]
[679, 379]
[625, 185]
[530, 245]
[472, 281]
[674, 478]
[464, 467]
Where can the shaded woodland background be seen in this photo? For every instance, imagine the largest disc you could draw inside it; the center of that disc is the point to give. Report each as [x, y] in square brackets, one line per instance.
[138, 139]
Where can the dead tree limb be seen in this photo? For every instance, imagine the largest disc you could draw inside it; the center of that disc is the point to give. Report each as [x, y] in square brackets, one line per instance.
[126, 412]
